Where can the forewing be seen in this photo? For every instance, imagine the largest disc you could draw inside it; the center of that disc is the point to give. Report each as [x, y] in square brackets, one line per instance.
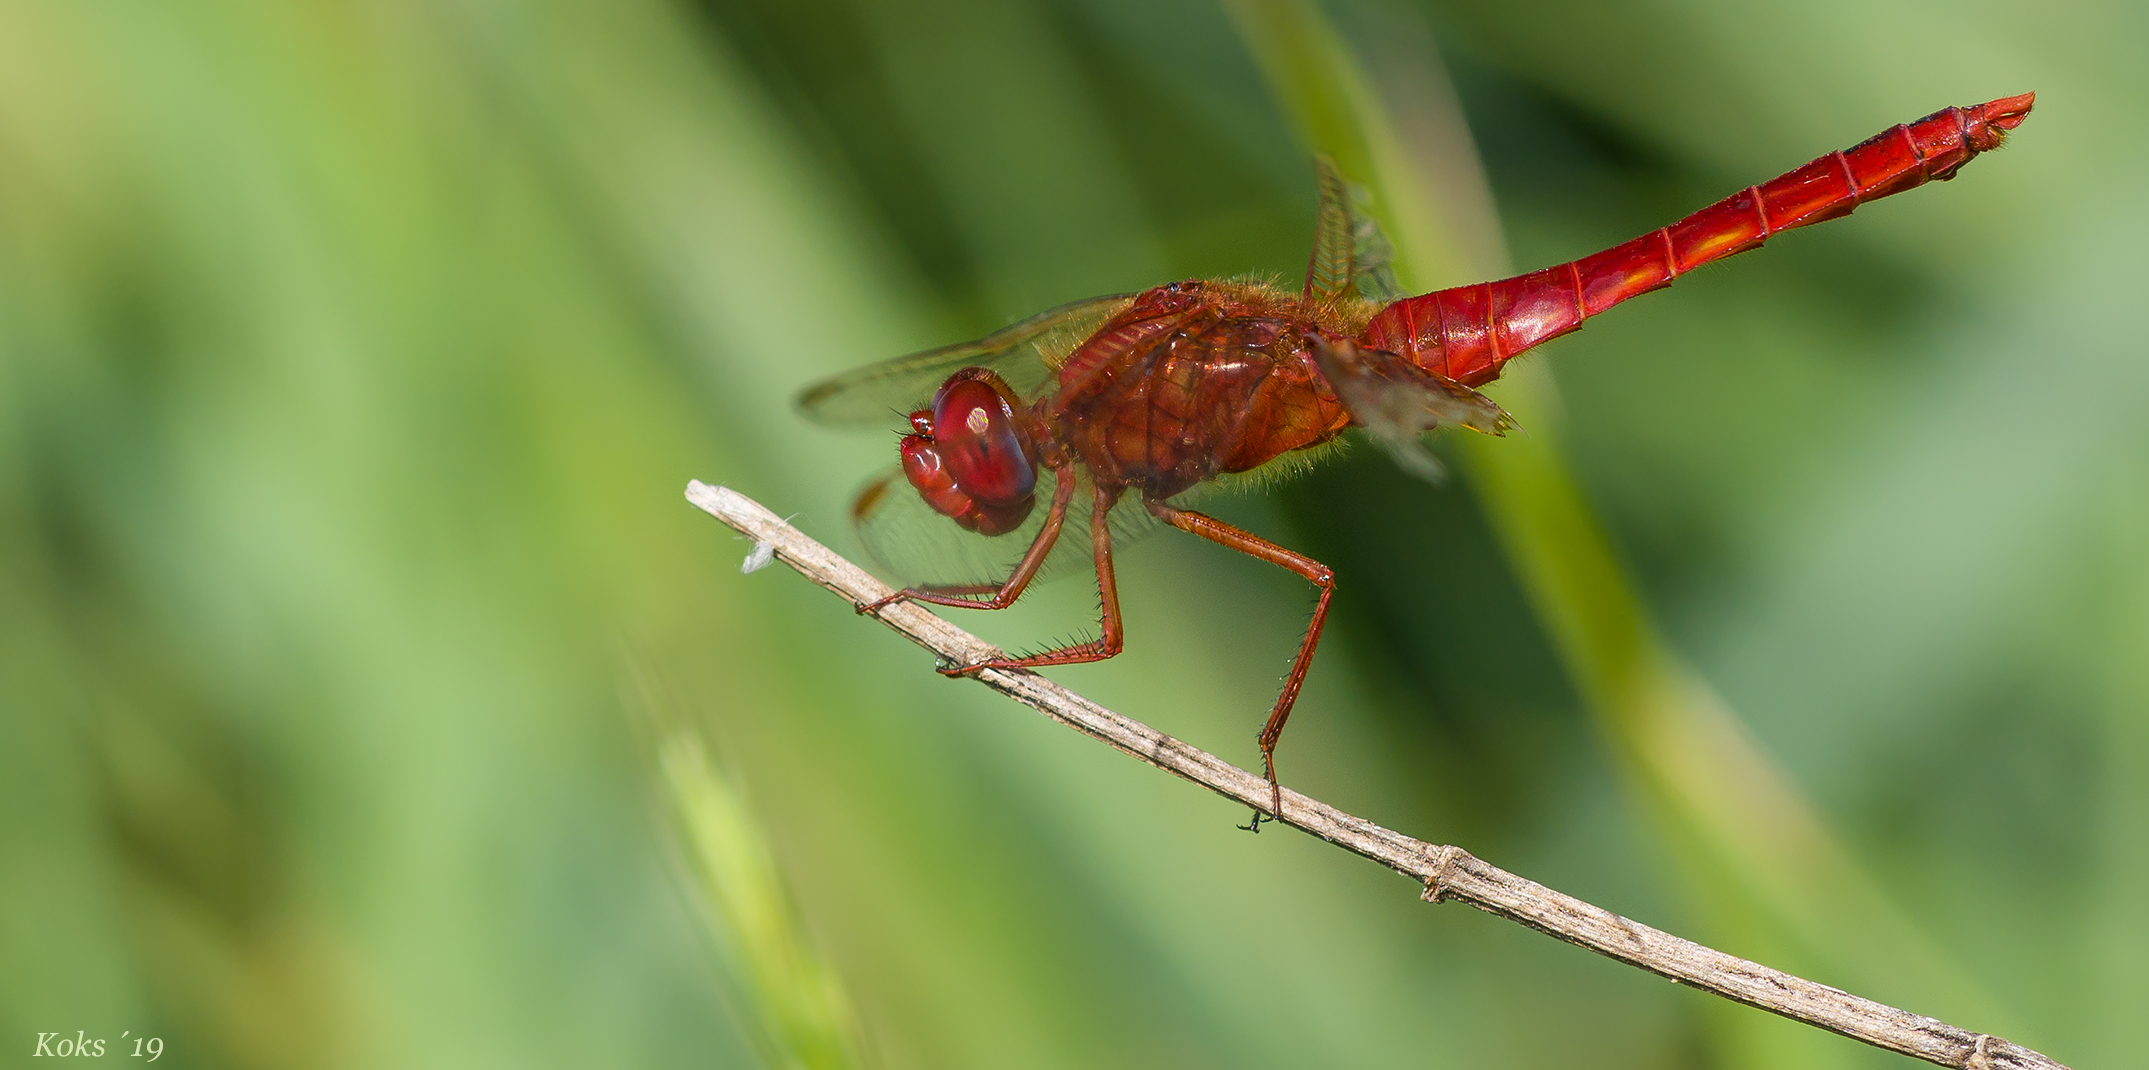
[1023, 354]
[1398, 402]
[919, 547]
[1372, 258]
[1328, 273]
[1349, 250]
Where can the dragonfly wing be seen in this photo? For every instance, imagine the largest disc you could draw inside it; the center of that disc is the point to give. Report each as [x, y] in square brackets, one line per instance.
[1024, 354]
[1372, 258]
[1397, 402]
[1349, 250]
[920, 547]
[1328, 273]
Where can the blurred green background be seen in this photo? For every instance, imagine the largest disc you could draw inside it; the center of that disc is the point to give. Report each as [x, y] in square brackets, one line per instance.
[369, 697]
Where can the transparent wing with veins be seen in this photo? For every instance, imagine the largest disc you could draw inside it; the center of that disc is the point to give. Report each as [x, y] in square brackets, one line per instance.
[918, 546]
[1349, 250]
[1397, 402]
[903, 534]
[1394, 400]
[1024, 354]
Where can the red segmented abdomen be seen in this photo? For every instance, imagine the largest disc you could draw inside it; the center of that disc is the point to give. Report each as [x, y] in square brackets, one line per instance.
[1468, 332]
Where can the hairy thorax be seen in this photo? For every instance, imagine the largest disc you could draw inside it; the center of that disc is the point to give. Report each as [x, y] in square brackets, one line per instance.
[1196, 380]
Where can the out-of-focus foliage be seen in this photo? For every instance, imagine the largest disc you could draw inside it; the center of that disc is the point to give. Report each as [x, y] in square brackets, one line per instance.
[802, 1019]
[353, 355]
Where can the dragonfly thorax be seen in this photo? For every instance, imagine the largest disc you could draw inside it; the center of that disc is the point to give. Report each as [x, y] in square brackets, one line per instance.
[970, 457]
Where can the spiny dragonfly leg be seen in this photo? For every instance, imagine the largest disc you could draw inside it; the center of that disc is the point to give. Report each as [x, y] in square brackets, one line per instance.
[963, 596]
[1321, 575]
[1111, 637]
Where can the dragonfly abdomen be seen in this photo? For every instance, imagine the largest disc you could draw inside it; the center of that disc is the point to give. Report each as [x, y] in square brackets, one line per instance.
[1468, 332]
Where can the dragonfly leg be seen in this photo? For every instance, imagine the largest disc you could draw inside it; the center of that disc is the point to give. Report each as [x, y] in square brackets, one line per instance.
[1322, 576]
[1111, 636]
[1002, 595]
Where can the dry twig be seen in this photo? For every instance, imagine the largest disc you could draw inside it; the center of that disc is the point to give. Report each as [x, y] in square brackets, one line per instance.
[1447, 872]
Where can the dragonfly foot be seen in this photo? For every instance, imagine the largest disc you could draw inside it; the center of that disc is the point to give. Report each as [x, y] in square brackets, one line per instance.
[958, 671]
[880, 604]
[1254, 826]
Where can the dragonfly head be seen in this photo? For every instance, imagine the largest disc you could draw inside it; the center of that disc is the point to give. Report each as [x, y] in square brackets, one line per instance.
[970, 455]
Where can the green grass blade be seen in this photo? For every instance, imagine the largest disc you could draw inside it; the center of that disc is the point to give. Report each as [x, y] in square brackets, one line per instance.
[803, 1016]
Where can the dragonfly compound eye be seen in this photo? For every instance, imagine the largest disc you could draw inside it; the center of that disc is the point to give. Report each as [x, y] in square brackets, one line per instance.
[974, 427]
[969, 457]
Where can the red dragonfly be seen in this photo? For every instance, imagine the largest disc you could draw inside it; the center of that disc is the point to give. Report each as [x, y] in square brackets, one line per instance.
[1204, 381]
